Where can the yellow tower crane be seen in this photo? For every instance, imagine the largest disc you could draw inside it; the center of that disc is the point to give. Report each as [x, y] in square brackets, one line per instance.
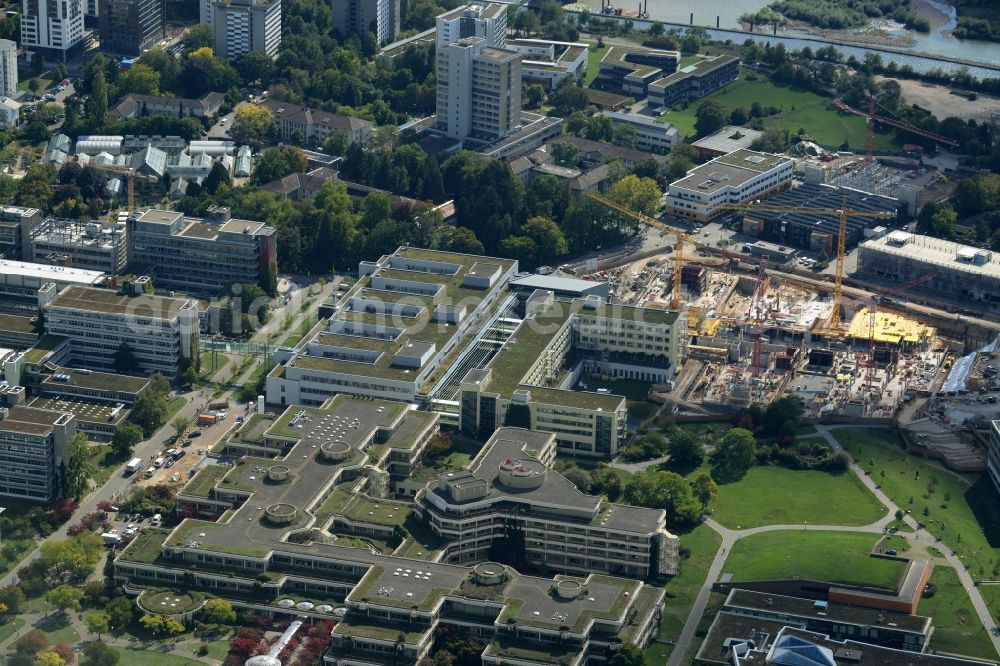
[131, 174]
[841, 213]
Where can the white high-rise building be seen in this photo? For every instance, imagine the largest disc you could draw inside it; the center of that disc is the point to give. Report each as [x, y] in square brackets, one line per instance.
[242, 26]
[206, 12]
[487, 21]
[478, 90]
[52, 27]
[8, 68]
[380, 17]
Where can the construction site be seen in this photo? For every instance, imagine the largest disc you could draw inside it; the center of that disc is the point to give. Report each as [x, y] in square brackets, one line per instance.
[755, 335]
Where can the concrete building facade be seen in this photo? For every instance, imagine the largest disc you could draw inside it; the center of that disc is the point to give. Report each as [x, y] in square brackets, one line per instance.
[16, 226]
[203, 256]
[737, 178]
[379, 17]
[33, 446]
[242, 26]
[478, 90]
[161, 332]
[51, 27]
[131, 26]
[8, 67]
[650, 134]
[694, 81]
[317, 124]
[488, 21]
[96, 246]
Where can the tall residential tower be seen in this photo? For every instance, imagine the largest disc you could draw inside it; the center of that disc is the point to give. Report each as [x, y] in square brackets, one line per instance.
[242, 26]
[52, 27]
[131, 26]
[379, 17]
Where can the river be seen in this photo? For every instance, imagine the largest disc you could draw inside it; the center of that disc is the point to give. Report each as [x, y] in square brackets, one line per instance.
[728, 12]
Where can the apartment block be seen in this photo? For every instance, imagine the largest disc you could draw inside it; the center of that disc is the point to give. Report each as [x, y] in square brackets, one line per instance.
[478, 90]
[528, 382]
[511, 479]
[16, 226]
[202, 256]
[53, 28]
[736, 178]
[488, 21]
[96, 246]
[962, 272]
[242, 26]
[8, 68]
[280, 541]
[407, 312]
[694, 81]
[161, 332]
[650, 134]
[32, 448]
[631, 69]
[131, 26]
[379, 17]
[316, 124]
[133, 106]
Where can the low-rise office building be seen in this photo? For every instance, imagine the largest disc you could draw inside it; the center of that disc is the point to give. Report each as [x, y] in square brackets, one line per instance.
[316, 124]
[694, 81]
[96, 246]
[736, 178]
[16, 225]
[20, 282]
[408, 311]
[32, 449]
[631, 69]
[650, 134]
[961, 272]
[277, 542]
[161, 332]
[727, 140]
[527, 380]
[550, 63]
[203, 256]
[511, 479]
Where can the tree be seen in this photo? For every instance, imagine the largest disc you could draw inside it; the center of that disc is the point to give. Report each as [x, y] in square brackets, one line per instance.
[125, 360]
[218, 611]
[705, 490]
[686, 450]
[578, 478]
[99, 654]
[255, 67]
[547, 237]
[217, 178]
[464, 240]
[97, 105]
[568, 98]
[198, 36]
[180, 424]
[639, 194]
[735, 453]
[565, 154]
[64, 597]
[534, 94]
[521, 248]
[628, 654]
[125, 439]
[278, 162]
[780, 412]
[140, 79]
[709, 118]
[120, 612]
[663, 490]
[97, 622]
[48, 658]
[31, 643]
[161, 625]
[78, 466]
[253, 124]
[773, 140]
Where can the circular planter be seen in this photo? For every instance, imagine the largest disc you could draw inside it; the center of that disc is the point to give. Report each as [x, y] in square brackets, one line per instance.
[568, 589]
[280, 514]
[489, 573]
[334, 451]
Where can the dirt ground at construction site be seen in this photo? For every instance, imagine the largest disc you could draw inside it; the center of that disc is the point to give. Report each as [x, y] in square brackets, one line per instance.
[940, 101]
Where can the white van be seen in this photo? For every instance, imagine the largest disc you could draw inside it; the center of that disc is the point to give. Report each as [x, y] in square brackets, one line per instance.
[158, 462]
[150, 472]
[157, 519]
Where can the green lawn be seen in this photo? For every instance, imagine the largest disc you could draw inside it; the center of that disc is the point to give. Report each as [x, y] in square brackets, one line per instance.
[799, 109]
[961, 510]
[299, 331]
[957, 629]
[216, 649]
[58, 628]
[150, 658]
[839, 557]
[172, 407]
[781, 496]
[43, 84]
[7, 630]
[105, 463]
[594, 55]
[682, 589]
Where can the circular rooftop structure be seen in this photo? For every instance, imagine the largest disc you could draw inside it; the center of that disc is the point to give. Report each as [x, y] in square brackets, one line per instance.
[279, 473]
[335, 450]
[522, 473]
[280, 514]
[568, 589]
[489, 573]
